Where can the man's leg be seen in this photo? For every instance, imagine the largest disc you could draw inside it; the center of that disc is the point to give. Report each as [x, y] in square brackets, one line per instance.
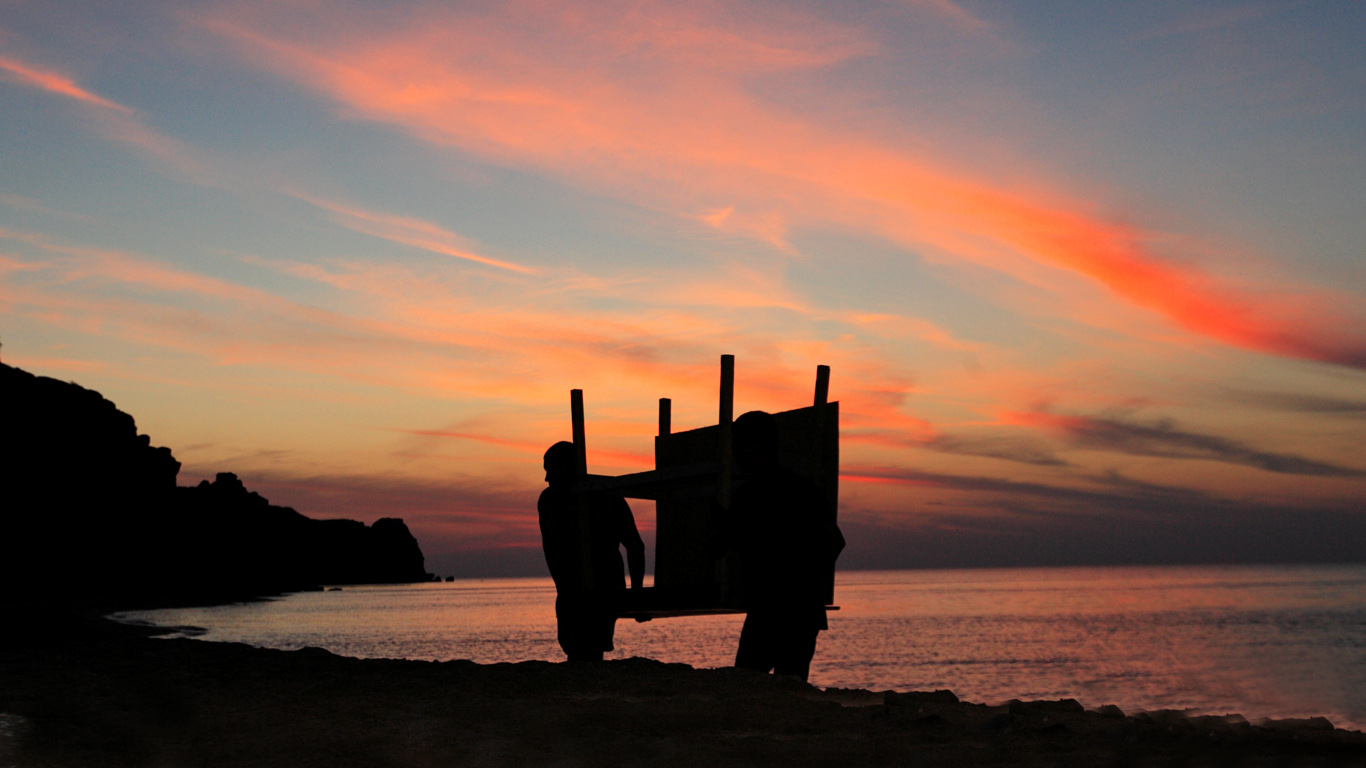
[578, 633]
[585, 642]
[795, 648]
[564, 632]
[756, 643]
[605, 625]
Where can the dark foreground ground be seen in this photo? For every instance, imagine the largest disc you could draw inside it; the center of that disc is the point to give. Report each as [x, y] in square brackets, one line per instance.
[80, 691]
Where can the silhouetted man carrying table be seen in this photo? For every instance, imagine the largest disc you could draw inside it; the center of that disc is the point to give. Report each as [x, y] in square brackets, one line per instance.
[585, 603]
[787, 546]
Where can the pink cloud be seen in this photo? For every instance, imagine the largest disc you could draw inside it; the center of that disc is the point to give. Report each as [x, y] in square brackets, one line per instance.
[409, 231]
[655, 107]
[116, 121]
[440, 332]
[54, 82]
[536, 449]
[902, 326]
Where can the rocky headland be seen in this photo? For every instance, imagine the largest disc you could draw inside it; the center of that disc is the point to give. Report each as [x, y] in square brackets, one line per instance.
[93, 515]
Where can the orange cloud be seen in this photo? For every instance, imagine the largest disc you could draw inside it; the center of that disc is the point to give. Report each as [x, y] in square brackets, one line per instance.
[901, 326]
[409, 231]
[1042, 420]
[54, 82]
[878, 480]
[613, 458]
[129, 269]
[439, 331]
[655, 107]
[116, 121]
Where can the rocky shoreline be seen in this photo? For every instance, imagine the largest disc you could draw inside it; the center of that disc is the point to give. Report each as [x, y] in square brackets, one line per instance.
[79, 690]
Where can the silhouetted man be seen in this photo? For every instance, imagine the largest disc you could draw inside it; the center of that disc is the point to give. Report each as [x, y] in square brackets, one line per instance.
[787, 543]
[585, 602]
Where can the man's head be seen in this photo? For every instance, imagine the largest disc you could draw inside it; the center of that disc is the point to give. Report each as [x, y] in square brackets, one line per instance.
[754, 440]
[561, 463]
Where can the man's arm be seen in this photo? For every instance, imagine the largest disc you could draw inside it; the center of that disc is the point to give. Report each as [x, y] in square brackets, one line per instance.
[551, 543]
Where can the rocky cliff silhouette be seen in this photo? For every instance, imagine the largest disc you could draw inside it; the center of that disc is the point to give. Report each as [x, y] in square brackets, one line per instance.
[91, 513]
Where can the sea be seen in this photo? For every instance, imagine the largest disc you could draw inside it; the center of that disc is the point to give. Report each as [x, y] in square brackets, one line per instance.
[1262, 641]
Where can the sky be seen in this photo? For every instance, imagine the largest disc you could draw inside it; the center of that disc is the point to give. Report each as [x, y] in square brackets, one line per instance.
[1089, 276]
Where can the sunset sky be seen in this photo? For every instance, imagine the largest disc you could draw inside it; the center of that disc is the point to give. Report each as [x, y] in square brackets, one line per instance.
[1089, 276]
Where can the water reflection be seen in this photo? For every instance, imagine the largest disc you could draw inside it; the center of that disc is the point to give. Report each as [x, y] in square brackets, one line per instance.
[1264, 641]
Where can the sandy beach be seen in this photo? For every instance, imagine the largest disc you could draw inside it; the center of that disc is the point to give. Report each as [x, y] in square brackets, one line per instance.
[77, 690]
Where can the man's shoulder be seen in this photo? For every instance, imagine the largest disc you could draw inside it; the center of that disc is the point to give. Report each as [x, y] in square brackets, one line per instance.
[552, 499]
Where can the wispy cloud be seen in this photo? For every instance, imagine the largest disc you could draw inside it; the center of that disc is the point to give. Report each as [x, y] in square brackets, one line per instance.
[902, 326]
[998, 447]
[1058, 499]
[536, 449]
[55, 82]
[115, 121]
[1298, 402]
[1163, 438]
[960, 17]
[609, 110]
[1190, 530]
[436, 329]
[408, 231]
[22, 203]
[990, 446]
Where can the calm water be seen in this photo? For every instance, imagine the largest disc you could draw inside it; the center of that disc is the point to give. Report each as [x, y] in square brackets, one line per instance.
[1264, 641]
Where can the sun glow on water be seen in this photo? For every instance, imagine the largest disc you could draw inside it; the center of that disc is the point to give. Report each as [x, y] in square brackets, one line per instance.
[1286, 641]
